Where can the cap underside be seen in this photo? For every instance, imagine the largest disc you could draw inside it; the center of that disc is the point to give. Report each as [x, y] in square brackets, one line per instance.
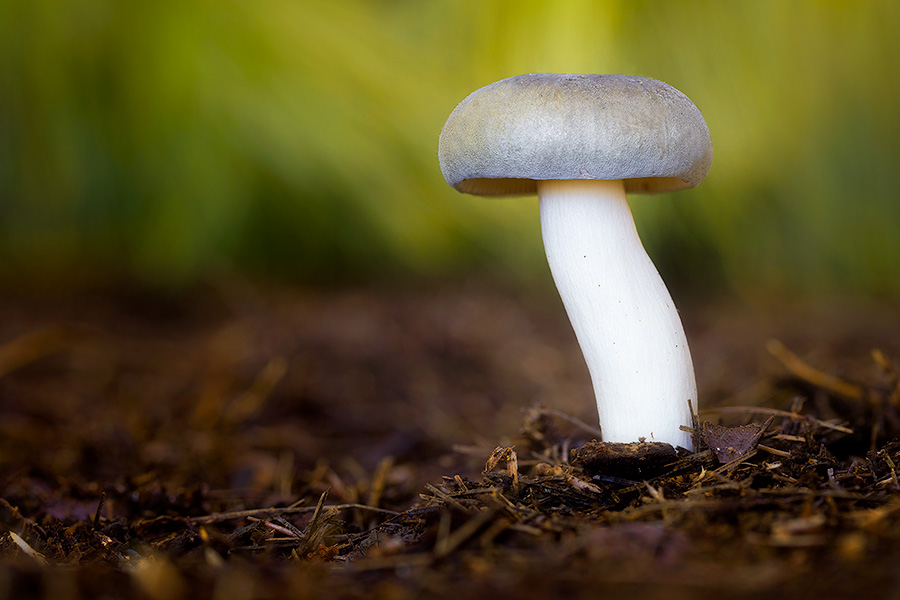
[525, 187]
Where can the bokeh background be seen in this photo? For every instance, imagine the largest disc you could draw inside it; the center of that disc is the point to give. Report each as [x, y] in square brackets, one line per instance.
[162, 142]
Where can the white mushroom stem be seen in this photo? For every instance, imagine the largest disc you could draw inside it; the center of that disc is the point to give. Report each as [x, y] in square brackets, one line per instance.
[623, 316]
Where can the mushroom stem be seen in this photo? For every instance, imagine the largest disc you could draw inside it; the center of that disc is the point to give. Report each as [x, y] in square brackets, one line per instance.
[623, 316]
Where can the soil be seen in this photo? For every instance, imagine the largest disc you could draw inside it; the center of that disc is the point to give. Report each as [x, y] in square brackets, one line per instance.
[242, 442]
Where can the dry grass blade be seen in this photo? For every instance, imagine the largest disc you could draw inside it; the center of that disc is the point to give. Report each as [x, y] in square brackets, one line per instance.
[890, 370]
[35, 345]
[726, 410]
[291, 532]
[379, 480]
[594, 431]
[795, 365]
[251, 401]
[773, 451]
[27, 549]
[319, 506]
[264, 513]
[730, 466]
[465, 532]
[322, 524]
[445, 497]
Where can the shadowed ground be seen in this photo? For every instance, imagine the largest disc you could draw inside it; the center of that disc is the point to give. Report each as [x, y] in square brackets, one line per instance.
[354, 427]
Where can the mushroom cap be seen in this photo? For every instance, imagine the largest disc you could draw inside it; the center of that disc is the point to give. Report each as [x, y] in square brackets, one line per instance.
[508, 135]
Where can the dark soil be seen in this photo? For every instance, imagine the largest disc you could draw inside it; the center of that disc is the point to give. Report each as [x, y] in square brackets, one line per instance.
[240, 444]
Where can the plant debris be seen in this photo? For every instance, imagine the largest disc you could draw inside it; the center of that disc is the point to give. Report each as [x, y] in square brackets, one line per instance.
[731, 443]
[211, 482]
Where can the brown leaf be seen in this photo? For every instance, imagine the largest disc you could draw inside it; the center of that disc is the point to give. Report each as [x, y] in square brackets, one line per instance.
[730, 443]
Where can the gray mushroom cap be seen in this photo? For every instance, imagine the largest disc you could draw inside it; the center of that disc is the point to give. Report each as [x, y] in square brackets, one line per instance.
[507, 135]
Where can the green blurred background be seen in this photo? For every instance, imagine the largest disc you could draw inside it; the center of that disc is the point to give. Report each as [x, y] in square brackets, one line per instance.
[161, 141]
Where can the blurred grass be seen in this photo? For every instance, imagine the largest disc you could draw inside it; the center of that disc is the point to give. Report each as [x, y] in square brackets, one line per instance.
[159, 141]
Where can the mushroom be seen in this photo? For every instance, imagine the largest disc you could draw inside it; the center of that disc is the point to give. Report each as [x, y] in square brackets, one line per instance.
[582, 142]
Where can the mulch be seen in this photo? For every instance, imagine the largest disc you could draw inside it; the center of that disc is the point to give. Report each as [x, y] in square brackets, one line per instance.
[371, 444]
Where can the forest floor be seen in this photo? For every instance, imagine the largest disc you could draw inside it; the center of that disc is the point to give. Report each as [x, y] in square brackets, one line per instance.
[273, 443]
